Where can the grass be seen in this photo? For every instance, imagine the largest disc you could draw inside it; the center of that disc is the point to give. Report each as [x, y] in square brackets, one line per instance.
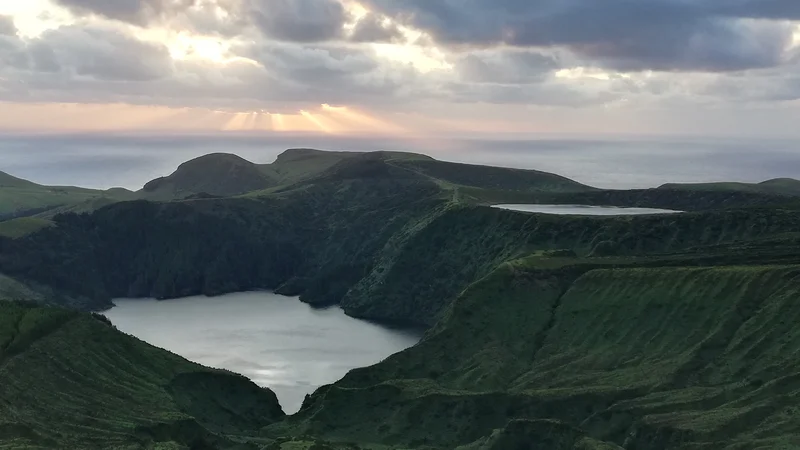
[563, 332]
[23, 226]
[98, 388]
[35, 199]
[779, 186]
[640, 358]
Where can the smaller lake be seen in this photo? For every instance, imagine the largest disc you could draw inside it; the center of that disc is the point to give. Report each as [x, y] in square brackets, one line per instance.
[278, 342]
[584, 210]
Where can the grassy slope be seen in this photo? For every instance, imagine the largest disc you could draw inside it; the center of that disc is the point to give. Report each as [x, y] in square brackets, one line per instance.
[778, 186]
[296, 165]
[643, 358]
[218, 174]
[317, 240]
[462, 244]
[390, 231]
[30, 200]
[23, 226]
[98, 388]
[494, 178]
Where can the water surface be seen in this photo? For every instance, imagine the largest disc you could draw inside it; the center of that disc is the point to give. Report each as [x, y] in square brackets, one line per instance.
[276, 341]
[585, 210]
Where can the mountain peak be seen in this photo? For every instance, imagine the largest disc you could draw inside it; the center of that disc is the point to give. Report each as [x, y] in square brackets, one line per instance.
[216, 158]
[221, 174]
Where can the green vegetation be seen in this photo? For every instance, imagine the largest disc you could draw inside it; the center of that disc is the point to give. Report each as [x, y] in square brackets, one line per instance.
[22, 198]
[635, 332]
[638, 358]
[778, 186]
[23, 226]
[218, 174]
[494, 178]
[70, 380]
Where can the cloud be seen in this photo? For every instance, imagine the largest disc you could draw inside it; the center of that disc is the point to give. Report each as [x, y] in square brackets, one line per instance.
[295, 54]
[99, 52]
[667, 35]
[133, 11]
[506, 66]
[374, 28]
[7, 27]
[300, 20]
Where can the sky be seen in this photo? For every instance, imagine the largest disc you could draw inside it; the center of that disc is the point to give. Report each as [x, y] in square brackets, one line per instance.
[418, 68]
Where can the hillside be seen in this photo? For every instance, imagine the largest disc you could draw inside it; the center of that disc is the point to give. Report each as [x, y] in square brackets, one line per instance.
[778, 186]
[586, 358]
[22, 226]
[70, 380]
[494, 178]
[226, 175]
[23, 198]
[301, 164]
[636, 332]
[352, 235]
[219, 174]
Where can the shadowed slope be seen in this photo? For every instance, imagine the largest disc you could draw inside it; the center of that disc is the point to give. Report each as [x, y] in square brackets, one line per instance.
[656, 358]
[70, 380]
[218, 174]
[494, 178]
[20, 197]
[778, 186]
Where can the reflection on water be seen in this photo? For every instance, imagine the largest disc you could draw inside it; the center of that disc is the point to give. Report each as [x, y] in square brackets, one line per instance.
[585, 210]
[278, 342]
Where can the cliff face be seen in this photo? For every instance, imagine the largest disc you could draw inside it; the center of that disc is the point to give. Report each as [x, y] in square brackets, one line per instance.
[640, 358]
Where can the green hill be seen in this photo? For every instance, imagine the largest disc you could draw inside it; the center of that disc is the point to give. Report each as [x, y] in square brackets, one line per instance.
[227, 175]
[649, 332]
[22, 226]
[300, 164]
[583, 357]
[71, 380]
[778, 186]
[23, 198]
[219, 174]
[494, 178]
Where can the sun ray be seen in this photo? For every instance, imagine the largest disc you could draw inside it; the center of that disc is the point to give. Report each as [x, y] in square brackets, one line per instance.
[262, 121]
[236, 122]
[250, 121]
[362, 119]
[316, 121]
[278, 123]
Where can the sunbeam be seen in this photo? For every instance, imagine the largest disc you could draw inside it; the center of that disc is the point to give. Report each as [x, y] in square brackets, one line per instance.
[359, 118]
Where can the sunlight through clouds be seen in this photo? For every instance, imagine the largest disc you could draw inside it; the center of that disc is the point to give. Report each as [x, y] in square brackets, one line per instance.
[231, 64]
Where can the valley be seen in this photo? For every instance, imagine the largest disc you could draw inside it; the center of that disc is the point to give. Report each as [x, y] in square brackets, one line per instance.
[653, 331]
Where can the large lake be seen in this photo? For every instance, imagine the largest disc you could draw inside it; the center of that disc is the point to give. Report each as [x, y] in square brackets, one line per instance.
[276, 341]
[584, 210]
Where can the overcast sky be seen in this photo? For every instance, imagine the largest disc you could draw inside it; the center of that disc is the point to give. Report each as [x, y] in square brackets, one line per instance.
[402, 67]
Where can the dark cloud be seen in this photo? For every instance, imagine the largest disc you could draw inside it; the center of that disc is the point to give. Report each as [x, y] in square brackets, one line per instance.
[759, 9]
[299, 20]
[133, 11]
[7, 27]
[332, 73]
[79, 64]
[104, 53]
[549, 93]
[506, 66]
[685, 35]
